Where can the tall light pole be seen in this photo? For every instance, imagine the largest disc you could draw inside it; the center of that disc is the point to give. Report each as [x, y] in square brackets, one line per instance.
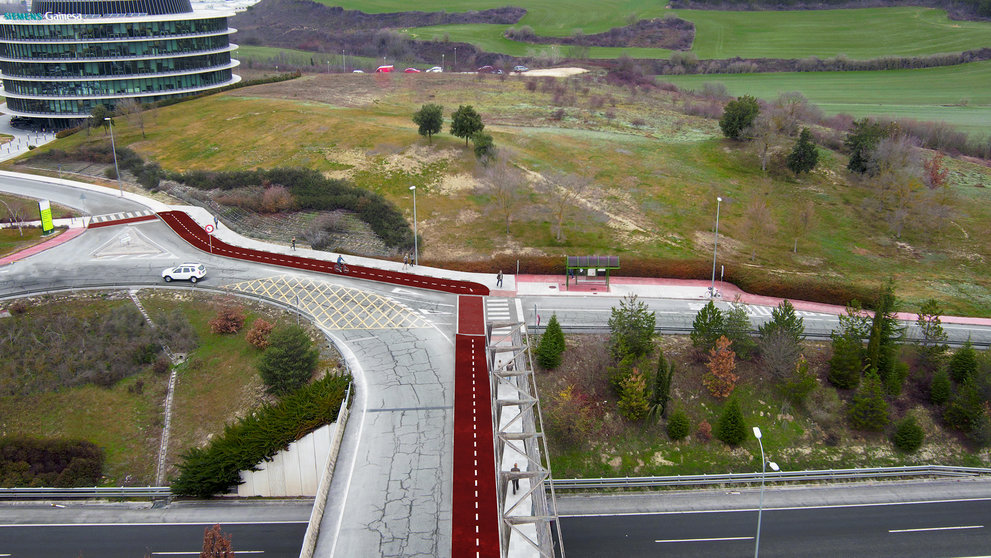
[416, 247]
[455, 66]
[715, 244]
[763, 471]
[442, 61]
[113, 148]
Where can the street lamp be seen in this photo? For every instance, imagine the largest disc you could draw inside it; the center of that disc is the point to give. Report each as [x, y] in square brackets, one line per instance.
[113, 148]
[715, 244]
[416, 247]
[763, 471]
[454, 68]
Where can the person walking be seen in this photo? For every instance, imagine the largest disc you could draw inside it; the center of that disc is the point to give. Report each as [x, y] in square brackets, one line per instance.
[405, 261]
[294, 243]
[499, 279]
[516, 481]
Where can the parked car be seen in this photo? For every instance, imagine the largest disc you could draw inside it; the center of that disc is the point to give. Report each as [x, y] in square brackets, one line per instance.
[191, 272]
[486, 70]
[435, 70]
[358, 72]
[520, 69]
[411, 71]
[384, 69]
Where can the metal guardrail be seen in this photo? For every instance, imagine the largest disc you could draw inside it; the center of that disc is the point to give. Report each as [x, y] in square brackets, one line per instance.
[780, 476]
[92, 492]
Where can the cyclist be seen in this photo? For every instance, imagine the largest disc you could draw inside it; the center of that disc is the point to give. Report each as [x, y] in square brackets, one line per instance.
[340, 264]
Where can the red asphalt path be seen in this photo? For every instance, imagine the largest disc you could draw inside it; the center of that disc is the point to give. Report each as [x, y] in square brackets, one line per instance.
[475, 531]
[194, 234]
[122, 221]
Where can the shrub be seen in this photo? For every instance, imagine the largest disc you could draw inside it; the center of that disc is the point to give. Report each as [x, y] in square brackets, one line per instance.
[204, 472]
[289, 361]
[570, 415]
[908, 436]
[801, 383]
[731, 428]
[846, 364]
[720, 378]
[940, 388]
[257, 336]
[275, 199]
[738, 116]
[18, 307]
[230, 319]
[551, 345]
[633, 403]
[869, 409]
[631, 327]
[963, 364]
[145, 353]
[678, 425]
[162, 365]
[704, 431]
[49, 462]
[965, 409]
[110, 173]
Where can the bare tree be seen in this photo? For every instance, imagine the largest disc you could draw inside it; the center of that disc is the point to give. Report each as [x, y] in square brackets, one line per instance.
[216, 544]
[562, 191]
[757, 223]
[15, 215]
[790, 109]
[505, 185]
[763, 131]
[805, 220]
[132, 108]
[897, 180]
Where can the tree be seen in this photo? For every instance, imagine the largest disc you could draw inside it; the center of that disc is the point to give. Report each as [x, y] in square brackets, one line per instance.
[763, 132]
[738, 116]
[678, 425]
[861, 140]
[758, 223]
[132, 108]
[935, 172]
[662, 385]
[720, 378]
[430, 119]
[465, 122]
[800, 384]
[963, 363]
[98, 117]
[289, 361]
[933, 346]
[884, 335]
[908, 435]
[868, 409]
[847, 363]
[966, 408]
[632, 328]
[707, 327]
[562, 191]
[778, 353]
[940, 388]
[804, 156]
[504, 184]
[484, 147]
[784, 319]
[551, 345]
[731, 428]
[736, 328]
[804, 220]
[633, 404]
[216, 544]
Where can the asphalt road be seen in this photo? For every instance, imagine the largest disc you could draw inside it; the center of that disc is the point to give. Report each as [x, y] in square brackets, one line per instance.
[919, 530]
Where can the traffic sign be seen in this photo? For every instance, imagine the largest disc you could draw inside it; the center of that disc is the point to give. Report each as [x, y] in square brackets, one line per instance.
[208, 229]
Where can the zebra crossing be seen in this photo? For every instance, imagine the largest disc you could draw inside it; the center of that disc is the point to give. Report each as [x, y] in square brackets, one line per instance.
[758, 311]
[110, 217]
[497, 310]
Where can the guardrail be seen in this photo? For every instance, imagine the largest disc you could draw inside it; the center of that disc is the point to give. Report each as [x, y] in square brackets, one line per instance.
[92, 492]
[822, 475]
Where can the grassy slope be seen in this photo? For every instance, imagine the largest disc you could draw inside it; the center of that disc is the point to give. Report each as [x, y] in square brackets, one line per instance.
[662, 177]
[246, 53]
[924, 94]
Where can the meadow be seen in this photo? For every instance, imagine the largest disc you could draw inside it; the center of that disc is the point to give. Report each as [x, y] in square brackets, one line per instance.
[656, 174]
[959, 95]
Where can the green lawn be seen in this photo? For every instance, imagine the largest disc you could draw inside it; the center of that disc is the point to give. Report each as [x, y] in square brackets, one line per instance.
[924, 94]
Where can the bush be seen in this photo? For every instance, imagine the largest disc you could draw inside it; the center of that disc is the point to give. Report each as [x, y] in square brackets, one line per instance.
[257, 336]
[678, 425]
[230, 319]
[940, 388]
[551, 345]
[908, 435]
[869, 409]
[633, 403]
[965, 409]
[289, 361]
[731, 428]
[214, 469]
[963, 364]
[846, 364]
[49, 462]
[738, 116]
[110, 173]
[704, 431]
[719, 377]
[162, 365]
[800, 384]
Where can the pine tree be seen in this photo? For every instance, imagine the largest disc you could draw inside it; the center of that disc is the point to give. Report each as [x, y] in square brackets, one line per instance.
[707, 327]
[632, 329]
[783, 318]
[430, 119]
[662, 385]
[940, 388]
[551, 345]
[731, 427]
[963, 363]
[966, 408]
[216, 544]
[289, 361]
[869, 409]
[884, 335]
[804, 156]
[720, 378]
[678, 425]
[908, 435]
[933, 346]
[736, 328]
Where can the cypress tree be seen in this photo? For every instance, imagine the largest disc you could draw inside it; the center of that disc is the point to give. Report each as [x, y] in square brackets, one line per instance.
[662, 384]
[804, 156]
[869, 409]
[731, 427]
[846, 364]
[963, 364]
[551, 345]
[940, 388]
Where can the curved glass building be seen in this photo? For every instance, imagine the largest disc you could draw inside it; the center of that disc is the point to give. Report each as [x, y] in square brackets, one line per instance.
[67, 56]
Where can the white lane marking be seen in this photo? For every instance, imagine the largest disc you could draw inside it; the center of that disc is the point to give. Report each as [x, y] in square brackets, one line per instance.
[876, 504]
[156, 524]
[936, 529]
[705, 540]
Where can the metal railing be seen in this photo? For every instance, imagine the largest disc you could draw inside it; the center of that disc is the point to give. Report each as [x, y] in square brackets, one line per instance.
[823, 475]
[92, 492]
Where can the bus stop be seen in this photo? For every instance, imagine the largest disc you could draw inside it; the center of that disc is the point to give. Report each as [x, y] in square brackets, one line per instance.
[589, 269]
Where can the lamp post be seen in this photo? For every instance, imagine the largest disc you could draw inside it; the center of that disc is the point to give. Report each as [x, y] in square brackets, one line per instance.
[715, 244]
[416, 247]
[455, 66]
[763, 471]
[442, 61]
[113, 147]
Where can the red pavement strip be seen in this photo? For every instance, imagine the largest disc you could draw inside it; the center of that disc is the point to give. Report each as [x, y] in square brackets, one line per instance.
[64, 237]
[194, 234]
[122, 221]
[475, 532]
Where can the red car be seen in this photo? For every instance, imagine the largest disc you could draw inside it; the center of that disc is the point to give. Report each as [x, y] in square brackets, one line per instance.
[411, 71]
[384, 69]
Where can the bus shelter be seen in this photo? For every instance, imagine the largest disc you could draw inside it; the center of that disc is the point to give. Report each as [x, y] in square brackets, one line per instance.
[589, 269]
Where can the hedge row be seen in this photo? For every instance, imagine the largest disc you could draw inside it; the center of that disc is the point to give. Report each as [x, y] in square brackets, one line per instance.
[311, 190]
[27, 462]
[257, 437]
[753, 281]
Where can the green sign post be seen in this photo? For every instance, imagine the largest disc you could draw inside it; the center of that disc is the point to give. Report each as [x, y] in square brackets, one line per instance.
[47, 227]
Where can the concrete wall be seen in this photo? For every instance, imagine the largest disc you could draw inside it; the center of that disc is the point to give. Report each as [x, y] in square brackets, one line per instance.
[293, 472]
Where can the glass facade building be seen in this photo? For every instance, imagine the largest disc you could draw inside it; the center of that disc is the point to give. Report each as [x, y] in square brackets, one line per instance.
[67, 56]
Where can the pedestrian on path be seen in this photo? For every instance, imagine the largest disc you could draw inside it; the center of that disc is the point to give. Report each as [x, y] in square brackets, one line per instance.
[216, 221]
[499, 279]
[405, 261]
[294, 243]
[516, 481]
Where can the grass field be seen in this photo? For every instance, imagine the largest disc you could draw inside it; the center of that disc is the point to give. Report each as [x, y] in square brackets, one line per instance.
[959, 95]
[762, 34]
[320, 60]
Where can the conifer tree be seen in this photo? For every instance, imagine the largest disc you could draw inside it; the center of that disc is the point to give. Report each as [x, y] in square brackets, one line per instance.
[804, 156]
[551, 345]
[216, 544]
[731, 428]
[869, 409]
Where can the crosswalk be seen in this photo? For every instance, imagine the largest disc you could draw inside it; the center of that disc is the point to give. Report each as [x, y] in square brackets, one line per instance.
[755, 311]
[109, 217]
[497, 310]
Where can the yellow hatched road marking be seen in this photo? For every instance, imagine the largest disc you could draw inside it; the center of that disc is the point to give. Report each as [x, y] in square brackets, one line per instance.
[333, 306]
